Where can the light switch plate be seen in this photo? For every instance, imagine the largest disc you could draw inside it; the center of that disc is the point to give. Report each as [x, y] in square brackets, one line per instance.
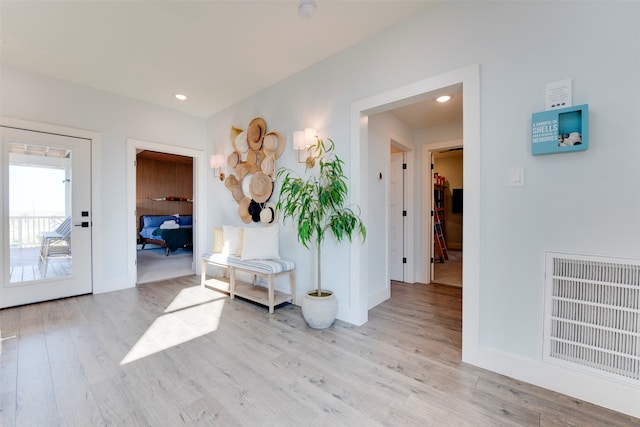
[516, 177]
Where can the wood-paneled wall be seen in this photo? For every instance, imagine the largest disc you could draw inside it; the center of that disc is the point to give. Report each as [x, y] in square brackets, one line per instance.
[163, 175]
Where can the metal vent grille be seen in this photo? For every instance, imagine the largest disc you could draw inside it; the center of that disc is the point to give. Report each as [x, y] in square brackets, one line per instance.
[592, 315]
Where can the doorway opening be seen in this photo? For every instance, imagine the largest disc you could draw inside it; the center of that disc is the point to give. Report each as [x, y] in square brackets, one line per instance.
[363, 256]
[181, 190]
[447, 169]
[164, 207]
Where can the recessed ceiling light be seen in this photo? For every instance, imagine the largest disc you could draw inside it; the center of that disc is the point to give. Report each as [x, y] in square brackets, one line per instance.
[181, 96]
[306, 8]
[443, 98]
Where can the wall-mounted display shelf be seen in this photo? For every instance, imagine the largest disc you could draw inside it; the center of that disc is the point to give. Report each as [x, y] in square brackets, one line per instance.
[560, 131]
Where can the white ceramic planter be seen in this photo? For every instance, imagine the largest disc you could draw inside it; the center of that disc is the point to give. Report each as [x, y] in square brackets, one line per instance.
[319, 312]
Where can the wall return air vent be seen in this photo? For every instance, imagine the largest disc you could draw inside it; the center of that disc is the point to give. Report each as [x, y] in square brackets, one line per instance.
[592, 315]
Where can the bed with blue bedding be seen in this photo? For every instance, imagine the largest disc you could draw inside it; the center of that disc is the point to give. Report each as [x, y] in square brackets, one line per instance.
[168, 231]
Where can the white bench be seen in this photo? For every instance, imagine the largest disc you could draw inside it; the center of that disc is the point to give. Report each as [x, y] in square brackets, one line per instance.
[268, 268]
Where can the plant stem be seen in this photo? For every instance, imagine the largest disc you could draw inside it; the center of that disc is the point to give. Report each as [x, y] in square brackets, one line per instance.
[319, 270]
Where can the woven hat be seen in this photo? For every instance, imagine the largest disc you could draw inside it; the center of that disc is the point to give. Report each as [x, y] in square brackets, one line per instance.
[261, 187]
[233, 135]
[242, 170]
[246, 182]
[243, 210]
[233, 159]
[268, 166]
[233, 185]
[254, 210]
[268, 214]
[253, 160]
[255, 133]
[274, 143]
[241, 142]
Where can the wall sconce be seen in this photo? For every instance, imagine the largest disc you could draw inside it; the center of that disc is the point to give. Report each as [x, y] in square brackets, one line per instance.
[217, 162]
[302, 142]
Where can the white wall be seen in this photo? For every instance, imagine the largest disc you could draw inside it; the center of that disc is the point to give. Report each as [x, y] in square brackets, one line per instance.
[520, 47]
[38, 98]
[384, 128]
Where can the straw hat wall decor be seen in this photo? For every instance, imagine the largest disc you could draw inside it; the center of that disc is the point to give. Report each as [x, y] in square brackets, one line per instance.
[253, 159]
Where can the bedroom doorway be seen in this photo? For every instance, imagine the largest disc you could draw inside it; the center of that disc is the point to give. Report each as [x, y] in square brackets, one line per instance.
[164, 181]
[164, 206]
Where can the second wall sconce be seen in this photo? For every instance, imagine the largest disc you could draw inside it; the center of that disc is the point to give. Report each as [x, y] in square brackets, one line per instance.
[303, 141]
[217, 162]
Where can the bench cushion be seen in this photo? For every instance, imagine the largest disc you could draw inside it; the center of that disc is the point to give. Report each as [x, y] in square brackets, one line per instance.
[264, 266]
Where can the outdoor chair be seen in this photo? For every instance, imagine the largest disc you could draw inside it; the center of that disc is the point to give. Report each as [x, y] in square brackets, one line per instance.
[55, 243]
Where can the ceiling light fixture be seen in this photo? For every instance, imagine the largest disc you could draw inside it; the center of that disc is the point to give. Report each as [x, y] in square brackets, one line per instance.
[307, 8]
[443, 98]
[181, 96]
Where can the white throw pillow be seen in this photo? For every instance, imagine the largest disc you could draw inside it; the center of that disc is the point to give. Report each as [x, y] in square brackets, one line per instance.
[260, 243]
[230, 234]
[169, 225]
[218, 240]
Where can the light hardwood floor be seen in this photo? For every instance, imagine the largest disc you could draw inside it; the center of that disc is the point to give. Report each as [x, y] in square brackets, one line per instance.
[171, 353]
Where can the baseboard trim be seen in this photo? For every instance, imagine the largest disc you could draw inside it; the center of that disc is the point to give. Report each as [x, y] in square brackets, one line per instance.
[617, 396]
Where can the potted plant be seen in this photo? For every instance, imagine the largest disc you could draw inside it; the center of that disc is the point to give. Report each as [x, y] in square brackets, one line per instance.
[317, 206]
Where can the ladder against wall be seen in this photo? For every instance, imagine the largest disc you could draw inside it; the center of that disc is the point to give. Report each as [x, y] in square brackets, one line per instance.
[439, 217]
[438, 238]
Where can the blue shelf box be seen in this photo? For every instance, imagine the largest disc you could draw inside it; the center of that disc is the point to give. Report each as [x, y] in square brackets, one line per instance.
[560, 131]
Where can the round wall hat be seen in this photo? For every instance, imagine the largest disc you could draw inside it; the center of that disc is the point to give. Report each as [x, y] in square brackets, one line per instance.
[255, 132]
[233, 185]
[230, 182]
[246, 182]
[253, 160]
[268, 213]
[233, 135]
[241, 142]
[242, 170]
[261, 187]
[268, 166]
[233, 159]
[274, 143]
[243, 210]
[254, 210]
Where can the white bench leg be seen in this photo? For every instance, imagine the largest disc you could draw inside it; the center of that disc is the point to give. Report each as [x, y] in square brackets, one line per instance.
[232, 283]
[271, 293]
[203, 273]
[292, 286]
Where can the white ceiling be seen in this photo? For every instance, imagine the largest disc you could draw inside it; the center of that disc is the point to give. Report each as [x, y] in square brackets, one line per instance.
[217, 52]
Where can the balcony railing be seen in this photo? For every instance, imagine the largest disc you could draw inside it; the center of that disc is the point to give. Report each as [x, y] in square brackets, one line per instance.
[26, 231]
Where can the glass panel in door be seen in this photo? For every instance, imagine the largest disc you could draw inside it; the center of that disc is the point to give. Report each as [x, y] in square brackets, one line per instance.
[39, 212]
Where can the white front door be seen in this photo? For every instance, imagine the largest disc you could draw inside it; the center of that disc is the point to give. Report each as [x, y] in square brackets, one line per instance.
[46, 233]
[396, 218]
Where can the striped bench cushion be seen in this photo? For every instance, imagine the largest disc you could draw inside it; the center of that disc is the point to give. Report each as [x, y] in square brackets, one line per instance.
[264, 266]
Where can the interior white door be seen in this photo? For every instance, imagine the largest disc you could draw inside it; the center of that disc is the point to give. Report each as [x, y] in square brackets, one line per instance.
[46, 232]
[396, 219]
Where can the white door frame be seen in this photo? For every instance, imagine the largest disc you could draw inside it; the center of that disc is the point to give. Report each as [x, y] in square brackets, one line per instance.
[357, 310]
[95, 205]
[199, 169]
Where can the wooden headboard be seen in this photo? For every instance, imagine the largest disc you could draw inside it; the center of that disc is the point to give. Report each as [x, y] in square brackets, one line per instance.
[160, 175]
